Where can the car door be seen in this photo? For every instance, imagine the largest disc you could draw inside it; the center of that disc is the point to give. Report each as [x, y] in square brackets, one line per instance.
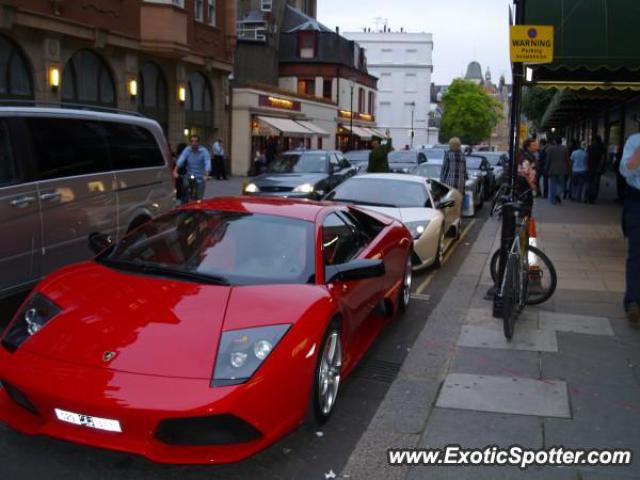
[357, 298]
[76, 186]
[19, 212]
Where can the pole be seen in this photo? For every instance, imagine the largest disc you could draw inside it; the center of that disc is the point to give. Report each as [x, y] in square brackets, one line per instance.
[413, 110]
[351, 120]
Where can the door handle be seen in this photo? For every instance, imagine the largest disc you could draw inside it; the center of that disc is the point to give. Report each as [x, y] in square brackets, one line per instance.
[22, 202]
[47, 197]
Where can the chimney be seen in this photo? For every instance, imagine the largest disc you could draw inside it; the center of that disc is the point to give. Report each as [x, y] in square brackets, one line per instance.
[338, 30]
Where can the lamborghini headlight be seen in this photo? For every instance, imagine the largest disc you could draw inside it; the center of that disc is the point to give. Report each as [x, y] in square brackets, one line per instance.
[29, 320]
[304, 188]
[417, 228]
[251, 188]
[241, 352]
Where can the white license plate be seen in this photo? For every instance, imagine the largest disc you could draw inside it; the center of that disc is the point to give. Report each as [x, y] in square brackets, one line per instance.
[87, 421]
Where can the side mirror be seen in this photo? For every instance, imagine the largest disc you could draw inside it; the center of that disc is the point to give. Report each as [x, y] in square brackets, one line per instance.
[355, 270]
[99, 242]
[446, 204]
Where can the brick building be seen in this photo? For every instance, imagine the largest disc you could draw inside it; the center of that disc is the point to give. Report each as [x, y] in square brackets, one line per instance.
[168, 59]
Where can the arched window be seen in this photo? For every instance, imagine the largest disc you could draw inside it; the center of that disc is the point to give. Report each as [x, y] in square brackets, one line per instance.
[15, 75]
[199, 106]
[152, 98]
[86, 79]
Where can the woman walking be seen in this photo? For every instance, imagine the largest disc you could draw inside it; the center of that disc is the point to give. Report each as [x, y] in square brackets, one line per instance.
[454, 166]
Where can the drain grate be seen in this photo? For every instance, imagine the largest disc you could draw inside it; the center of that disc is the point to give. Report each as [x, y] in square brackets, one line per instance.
[380, 371]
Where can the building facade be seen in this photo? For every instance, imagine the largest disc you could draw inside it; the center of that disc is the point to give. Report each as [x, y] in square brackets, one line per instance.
[167, 59]
[403, 64]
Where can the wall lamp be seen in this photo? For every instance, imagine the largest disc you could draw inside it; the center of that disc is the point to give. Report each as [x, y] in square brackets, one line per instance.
[54, 77]
[182, 94]
[132, 87]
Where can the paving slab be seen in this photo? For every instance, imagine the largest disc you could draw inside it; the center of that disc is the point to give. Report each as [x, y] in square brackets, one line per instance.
[523, 338]
[490, 361]
[520, 396]
[566, 322]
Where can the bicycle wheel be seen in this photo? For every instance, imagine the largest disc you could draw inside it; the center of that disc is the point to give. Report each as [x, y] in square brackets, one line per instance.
[510, 295]
[542, 279]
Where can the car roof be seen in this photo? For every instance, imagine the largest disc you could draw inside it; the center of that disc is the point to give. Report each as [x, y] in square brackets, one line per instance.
[73, 113]
[389, 176]
[282, 207]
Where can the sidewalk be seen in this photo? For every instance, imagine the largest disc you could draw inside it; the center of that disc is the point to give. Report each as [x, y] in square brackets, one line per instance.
[569, 378]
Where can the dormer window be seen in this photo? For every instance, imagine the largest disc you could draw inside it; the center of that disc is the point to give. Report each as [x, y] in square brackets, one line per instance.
[307, 41]
[266, 5]
[198, 10]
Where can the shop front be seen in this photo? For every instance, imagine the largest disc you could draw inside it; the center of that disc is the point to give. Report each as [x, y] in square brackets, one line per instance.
[356, 133]
[269, 123]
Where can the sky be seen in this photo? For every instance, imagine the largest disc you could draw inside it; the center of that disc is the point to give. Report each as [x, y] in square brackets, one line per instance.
[463, 30]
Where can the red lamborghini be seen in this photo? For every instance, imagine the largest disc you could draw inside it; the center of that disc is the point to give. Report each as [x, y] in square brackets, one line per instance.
[206, 334]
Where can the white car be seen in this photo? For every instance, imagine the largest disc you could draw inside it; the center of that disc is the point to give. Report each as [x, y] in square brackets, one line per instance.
[429, 209]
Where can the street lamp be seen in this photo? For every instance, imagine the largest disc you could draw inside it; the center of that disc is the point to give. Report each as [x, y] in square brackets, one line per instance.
[352, 84]
[413, 110]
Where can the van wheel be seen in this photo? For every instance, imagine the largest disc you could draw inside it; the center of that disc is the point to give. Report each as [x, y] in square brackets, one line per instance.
[138, 222]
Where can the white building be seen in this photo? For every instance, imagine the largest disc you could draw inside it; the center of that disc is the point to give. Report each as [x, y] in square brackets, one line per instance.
[403, 64]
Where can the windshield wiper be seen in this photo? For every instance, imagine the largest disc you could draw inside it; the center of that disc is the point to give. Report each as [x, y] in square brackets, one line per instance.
[362, 202]
[165, 272]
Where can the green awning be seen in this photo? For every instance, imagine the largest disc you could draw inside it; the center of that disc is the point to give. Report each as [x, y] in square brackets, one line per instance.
[595, 41]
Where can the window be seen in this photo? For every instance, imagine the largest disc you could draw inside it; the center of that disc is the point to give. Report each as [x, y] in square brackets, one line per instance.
[198, 10]
[344, 163]
[199, 106]
[335, 162]
[339, 241]
[152, 99]
[132, 146]
[15, 77]
[387, 55]
[266, 5]
[410, 82]
[384, 113]
[306, 86]
[386, 82]
[372, 101]
[411, 56]
[65, 147]
[7, 165]
[211, 12]
[361, 100]
[327, 88]
[307, 44]
[86, 79]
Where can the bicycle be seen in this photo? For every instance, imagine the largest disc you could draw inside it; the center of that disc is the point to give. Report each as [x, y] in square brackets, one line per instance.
[529, 275]
[191, 193]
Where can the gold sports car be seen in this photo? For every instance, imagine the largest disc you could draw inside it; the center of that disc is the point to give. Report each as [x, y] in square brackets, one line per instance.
[430, 210]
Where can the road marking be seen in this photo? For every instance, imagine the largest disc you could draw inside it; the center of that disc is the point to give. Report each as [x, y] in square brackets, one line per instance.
[421, 296]
[425, 283]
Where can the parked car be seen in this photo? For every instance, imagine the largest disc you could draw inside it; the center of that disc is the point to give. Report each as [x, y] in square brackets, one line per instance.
[478, 166]
[434, 155]
[405, 161]
[429, 209]
[498, 161]
[302, 174]
[67, 173]
[208, 333]
[359, 158]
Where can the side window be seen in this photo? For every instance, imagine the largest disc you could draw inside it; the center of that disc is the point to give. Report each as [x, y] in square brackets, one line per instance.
[344, 163]
[438, 191]
[133, 146]
[421, 158]
[68, 147]
[333, 160]
[339, 241]
[8, 174]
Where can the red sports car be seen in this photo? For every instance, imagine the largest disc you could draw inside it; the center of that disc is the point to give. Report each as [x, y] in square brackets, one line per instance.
[208, 333]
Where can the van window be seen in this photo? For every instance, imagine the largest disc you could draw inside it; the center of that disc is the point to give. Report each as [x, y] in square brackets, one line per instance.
[68, 147]
[7, 164]
[133, 146]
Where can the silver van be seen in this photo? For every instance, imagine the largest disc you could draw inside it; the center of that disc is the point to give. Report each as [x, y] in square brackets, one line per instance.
[65, 174]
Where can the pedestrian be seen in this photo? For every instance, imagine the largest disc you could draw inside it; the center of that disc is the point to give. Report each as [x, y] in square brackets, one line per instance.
[378, 157]
[218, 160]
[526, 184]
[197, 163]
[259, 162]
[558, 168]
[595, 166]
[406, 147]
[579, 173]
[630, 170]
[542, 178]
[454, 166]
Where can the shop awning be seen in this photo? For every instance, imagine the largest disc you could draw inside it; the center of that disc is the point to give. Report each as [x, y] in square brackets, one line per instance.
[314, 128]
[286, 126]
[595, 43]
[359, 132]
[378, 133]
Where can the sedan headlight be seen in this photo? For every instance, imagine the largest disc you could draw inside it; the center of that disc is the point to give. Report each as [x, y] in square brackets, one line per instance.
[251, 188]
[304, 188]
[241, 352]
[29, 320]
[417, 228]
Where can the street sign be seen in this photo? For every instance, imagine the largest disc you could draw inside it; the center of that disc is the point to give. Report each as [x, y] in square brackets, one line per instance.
[531, 43]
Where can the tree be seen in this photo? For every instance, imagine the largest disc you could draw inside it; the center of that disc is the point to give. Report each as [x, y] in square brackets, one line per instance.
[469, 113]
[535, 102]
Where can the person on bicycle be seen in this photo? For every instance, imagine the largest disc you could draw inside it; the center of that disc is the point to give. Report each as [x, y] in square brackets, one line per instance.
[197, 162]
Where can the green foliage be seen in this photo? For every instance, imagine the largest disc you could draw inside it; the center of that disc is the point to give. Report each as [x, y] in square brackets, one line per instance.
[469, 113]
[535, 102]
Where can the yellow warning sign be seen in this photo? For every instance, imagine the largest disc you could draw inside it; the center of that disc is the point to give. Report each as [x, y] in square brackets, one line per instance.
[531, 43]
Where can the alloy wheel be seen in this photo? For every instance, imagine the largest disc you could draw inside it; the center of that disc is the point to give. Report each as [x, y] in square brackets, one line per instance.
[329, 373]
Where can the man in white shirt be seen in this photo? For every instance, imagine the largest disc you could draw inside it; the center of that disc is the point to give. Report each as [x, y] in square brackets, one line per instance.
[218, 160]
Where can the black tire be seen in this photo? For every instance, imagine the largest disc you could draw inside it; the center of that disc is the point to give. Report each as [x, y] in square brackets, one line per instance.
[510, 296]
[437, 263]
[317, 414]
[534, 297]
[403, 299]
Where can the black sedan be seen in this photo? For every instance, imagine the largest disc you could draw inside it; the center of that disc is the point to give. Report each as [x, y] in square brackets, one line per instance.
[359, 158]
[302, 174]
[479, 166]
[405, 161]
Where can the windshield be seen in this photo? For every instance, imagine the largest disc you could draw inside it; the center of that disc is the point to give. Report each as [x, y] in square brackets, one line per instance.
[229, 247]
[382, 192]
[358, 156]
[429, 170]
[403, 156]
[300, 163]
[493, 158]
[473, 163]
[434, 155]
